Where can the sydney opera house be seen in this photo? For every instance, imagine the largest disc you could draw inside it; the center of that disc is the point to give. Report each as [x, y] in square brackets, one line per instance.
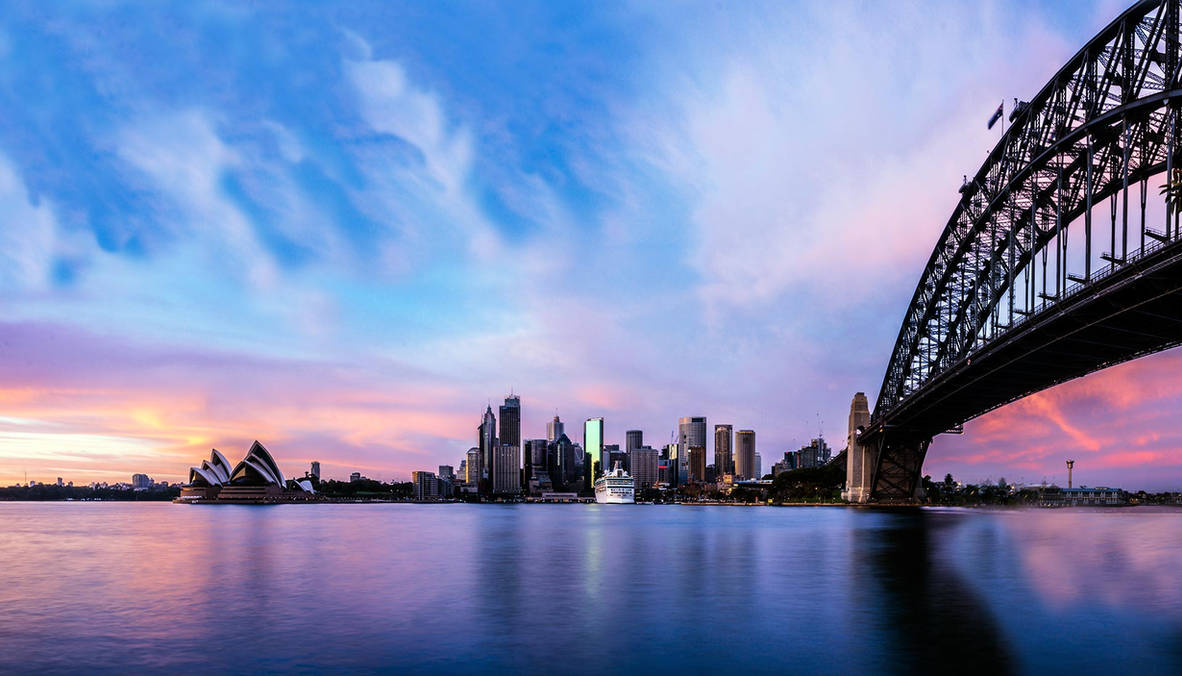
[255, 479]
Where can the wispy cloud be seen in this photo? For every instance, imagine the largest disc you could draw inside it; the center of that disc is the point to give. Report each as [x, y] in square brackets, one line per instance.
[353, 228]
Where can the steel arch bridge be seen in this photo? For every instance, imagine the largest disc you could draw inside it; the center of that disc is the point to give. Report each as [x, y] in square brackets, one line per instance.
[1059, 260]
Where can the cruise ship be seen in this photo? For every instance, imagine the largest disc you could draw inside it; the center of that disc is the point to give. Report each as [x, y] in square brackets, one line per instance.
[615, 488]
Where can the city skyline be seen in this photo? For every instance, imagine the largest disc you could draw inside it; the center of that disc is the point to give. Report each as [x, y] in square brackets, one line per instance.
[343, 260]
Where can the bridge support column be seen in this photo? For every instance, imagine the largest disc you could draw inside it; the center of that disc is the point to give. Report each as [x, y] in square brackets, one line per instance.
[859, 460]
[897, 477]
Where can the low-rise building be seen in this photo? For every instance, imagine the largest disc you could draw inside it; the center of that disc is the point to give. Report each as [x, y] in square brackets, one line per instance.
[1053, 496]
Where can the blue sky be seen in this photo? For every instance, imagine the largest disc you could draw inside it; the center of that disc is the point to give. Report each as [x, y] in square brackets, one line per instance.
[343, 229]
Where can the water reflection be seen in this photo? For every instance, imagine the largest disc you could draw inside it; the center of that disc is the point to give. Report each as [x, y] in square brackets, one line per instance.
[586, 589]
[930, 617]
[1116, 559]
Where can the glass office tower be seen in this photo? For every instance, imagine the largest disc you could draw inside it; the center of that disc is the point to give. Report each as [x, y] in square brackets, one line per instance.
[593, 447]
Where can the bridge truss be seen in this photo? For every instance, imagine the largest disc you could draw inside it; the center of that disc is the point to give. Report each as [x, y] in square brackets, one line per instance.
[1062, 206]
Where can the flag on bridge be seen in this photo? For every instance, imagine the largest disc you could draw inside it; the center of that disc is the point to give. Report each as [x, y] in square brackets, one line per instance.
[996, 115]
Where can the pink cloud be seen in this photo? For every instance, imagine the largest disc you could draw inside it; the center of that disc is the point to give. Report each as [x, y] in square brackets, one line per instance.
[1118, 424]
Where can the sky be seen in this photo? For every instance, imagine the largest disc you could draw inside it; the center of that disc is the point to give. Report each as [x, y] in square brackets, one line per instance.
[344, 229]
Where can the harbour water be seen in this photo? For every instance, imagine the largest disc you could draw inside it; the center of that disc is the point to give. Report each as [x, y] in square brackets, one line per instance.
[115, 587]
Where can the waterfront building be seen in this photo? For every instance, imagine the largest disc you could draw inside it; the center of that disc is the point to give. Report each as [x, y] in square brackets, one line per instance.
[787, 464]
[447, 472]
[511, 421]
[216, 470]
[745, 454]
[535, 457]
[315, 471]
[592, 451]
[643, 463]
[561, 462]
[697, 464]
[758, 466]
[139, 482]
[355, 477]
[580, 458]
[672, 462]
[1053, 496]
[256, 478]
[666, 473]
[506, 478]
[724, 454]
[487, 440]
[426, 485]
[691, 431]
[539, 484]
[815, 454]
[554, 429]
[462, 477]
[471, 463]
[633, 439]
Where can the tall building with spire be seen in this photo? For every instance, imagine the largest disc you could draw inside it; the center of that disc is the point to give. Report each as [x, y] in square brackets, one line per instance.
[554, 429]
[487, 436]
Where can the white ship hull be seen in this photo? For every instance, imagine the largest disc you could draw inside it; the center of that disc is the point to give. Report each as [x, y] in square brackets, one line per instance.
[616, 488]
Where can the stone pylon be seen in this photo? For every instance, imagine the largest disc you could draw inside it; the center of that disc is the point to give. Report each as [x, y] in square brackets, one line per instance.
[859, 461]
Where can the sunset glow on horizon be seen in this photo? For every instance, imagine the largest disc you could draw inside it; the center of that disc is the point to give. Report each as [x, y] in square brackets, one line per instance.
[344, 231]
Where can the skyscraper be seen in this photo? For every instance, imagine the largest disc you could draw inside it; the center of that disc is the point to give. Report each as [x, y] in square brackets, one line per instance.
[672, 461]
[506, 478]
[535, 457]
[488, 441]
[758, 466]
[697, 464]
[472, 467]
[593, 450]
[724, 450]
[315, 469]
[633, 439]
[745, 454]
[561, 462]
[553, 429]
[642, 464]
[816, 454]
[511, 421]
[690, 432]
[426, 485]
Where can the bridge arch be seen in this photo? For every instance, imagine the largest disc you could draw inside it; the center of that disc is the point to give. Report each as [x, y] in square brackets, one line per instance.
[1059, 259]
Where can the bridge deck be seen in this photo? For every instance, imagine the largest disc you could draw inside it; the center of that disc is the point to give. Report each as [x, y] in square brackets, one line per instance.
[1135, 311]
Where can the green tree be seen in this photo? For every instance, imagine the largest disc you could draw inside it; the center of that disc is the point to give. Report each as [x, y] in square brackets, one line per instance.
[1172, 191]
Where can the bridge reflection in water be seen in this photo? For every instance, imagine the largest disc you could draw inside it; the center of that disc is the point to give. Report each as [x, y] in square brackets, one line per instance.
[930, 617]
[1059, 258]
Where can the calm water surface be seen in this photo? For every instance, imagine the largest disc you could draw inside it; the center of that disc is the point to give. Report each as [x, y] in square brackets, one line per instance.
[108, 587]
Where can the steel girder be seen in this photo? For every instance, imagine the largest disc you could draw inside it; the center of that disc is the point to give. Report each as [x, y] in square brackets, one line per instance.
[1104, 124]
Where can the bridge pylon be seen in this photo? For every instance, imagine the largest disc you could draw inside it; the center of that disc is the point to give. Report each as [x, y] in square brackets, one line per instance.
[859, 460]
[881, 465]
